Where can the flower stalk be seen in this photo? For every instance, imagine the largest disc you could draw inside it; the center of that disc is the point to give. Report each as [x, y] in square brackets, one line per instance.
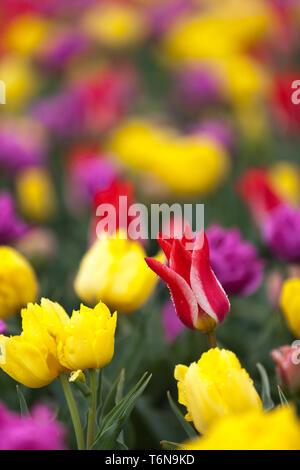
[73, 411]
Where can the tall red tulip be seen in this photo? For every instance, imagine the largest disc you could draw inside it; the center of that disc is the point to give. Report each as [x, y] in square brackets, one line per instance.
[199, 299]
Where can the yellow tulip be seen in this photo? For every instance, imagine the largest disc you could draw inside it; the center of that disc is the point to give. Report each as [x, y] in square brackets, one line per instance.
[276, 430]
[116, 26]
[31, 358]
[36, 194]
[165, 154]
[87, 341]
[19, 78]
[114, 270]
[18, 284]
[285, 177]
[290, 304]
[215, 386]
[25, 33]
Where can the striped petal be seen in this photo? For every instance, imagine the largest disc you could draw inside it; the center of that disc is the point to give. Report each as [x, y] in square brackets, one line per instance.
[208, 291]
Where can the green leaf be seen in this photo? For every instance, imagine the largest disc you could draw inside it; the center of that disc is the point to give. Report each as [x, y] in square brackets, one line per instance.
[267, 401]
[22, 401]
[120, 387]
[114, 421]
[186, 426]
[167, 445]
[282, 397]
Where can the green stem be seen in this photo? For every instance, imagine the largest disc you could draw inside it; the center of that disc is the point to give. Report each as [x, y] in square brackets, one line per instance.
[93, 409]
[73, 411]
[211, 337]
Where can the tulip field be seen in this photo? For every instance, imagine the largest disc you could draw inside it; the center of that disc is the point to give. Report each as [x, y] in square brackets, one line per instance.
[150, 226]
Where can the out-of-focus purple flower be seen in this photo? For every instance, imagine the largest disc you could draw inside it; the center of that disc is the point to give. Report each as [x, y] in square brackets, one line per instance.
[88, 173]
[63, 49]
[37, 431]
[2, 327]
[11, 227]
[21, 145]
[163, 14]
[234, 261]
[62, 114]
[281, 232]
[218, 130]
[171, 324]
[196, 85]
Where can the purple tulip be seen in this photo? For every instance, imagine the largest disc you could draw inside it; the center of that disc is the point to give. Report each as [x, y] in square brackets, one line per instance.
[2, 327]
[11, 227]
[234, 261]
[37, 431]
[281, 232]
[171, 324]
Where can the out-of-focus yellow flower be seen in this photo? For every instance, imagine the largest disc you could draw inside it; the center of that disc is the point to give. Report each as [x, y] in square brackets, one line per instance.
[290, 304]
[19, 78]
[31, 358]
[36, 194]
[285, 176]
[18, 284]
[223, 31]
[276, 430]
[25, 33]
[116, 26]
[168, 156]
[114, 270]
[87, 341]
[215, 386]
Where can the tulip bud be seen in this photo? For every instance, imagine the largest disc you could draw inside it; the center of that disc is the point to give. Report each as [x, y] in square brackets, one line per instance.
[287, 360]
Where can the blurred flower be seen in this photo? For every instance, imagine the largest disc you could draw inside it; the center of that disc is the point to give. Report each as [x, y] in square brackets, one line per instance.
[22, 144]
[87, 340]
[162, 153]
[2, 327]
[18, 284]
[88, 172]
[37, 431]
[117, 25]
[200, 301]
[290, 304]
[285, 178]
[287, 363]
[20, 80]
[196, 86]
[234, 261]
[278, 429]
[36, 194]
[31, 358]
[274, 283]
[25, 33]
[171, 323]
[38, 244]
[213, 387]
[257, 192]
[118, 192]
[162, 15]
[65, 45]
[286, 112]
[281, 232]
[114, 271]
[90, 105]
[215, 129]
[11, 227]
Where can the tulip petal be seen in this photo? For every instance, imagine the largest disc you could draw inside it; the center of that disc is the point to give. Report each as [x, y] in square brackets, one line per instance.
[181, 260]
[165, 244]
[208, 291]
[184, 300]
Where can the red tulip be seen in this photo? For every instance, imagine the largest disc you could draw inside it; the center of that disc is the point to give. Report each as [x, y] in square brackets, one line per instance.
[199, 299]
[287, 361]
[257, 192]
